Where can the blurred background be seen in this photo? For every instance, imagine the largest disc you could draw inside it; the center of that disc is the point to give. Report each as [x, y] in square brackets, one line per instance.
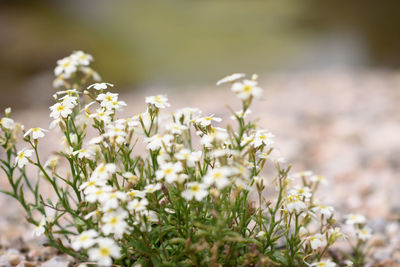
[140, 44]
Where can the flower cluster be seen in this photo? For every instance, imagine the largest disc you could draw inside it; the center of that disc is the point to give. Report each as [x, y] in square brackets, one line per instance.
[195, 196]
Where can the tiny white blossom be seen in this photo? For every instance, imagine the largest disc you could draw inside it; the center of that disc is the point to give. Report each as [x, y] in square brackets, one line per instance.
[138, 205]
[133, 179]
[39, 229]
[206, 121]
[81, 58]
[65, 66]
[7, 123]
[36, 133]
[104, 171]
[114, 223]
[97, 193]
[325, 210]
[85, 240]
[60, 110]
[247, 89]
[231, 78]
[159, 101]
[84, 153]
[355, 219]
[219, 176]
[195, 190]
[107, 99]
[111, 200]
[100, 86]
[364, 233]
[22, 157]
[156, 141]
[295, 203]
[324, 263]
[190, 157]
[316, 241]
[261, 234]
[318, 179]
[169, 172]
[151, 188]
[263, 137]
[176, 128]
[106, 250]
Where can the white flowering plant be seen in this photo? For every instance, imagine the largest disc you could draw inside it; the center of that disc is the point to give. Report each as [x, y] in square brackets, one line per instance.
[193, 195]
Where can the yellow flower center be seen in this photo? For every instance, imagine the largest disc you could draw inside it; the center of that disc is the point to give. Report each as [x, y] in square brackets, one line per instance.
[195, 188]
[247, 89]
[60, 108]
[104, 252]
[114, 220]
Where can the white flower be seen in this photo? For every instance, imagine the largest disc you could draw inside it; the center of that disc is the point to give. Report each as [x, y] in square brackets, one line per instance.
[106, 249]
[85, 240]
[190, 157]
[246, 139]
[316, 241]
[81, 58]
[60, 110]
[261, 234]
[52, 162]
[335, 234]
[65, 65]
[246, 89]
[206, 121]
[84, 153]
[156, 141]
[138, 205]
[364, 233]
[218, 176]
[355, 219]
[114, 223]
[136, 193]
[39, 229]
[186, 115]
[325, 210]
[91, 186]
[325, 263]
[159, 101]
[110, 200]
[348, 263]
[107, 99]
[117, 105]
[22, 157]
[151, 188]
[104, 171]
[295, 203]
[7, 123]
[97, 193]
[102, 115]
[176, 128]
[231, 78]
[318, 179]
[301, 191]
[36, 133]
[195, 190]
[169, 171]
[133, 179]
[240, 114]
[263, 137]
[100, 86]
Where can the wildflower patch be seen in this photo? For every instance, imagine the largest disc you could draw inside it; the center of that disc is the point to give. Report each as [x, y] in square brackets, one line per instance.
[196, 197]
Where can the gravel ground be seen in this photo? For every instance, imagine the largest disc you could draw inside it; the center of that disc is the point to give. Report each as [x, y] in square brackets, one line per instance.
[344, 125]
